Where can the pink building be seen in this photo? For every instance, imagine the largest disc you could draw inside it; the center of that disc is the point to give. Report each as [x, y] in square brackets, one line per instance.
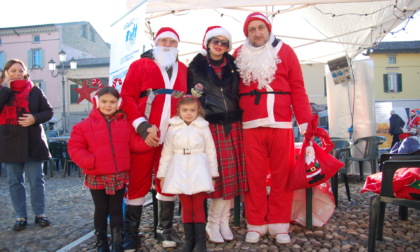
[37, 45]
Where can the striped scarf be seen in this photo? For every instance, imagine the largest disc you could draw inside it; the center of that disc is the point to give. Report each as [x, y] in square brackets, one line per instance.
[21, 89]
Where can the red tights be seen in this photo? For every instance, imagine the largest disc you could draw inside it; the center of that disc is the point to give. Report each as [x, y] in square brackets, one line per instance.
[193, 208]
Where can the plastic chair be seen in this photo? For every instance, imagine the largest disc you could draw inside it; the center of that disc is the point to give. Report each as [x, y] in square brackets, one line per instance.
[68, 162]
[57, 154]
[340, 151]
[368, 146]
[378, 202]
[386, 156]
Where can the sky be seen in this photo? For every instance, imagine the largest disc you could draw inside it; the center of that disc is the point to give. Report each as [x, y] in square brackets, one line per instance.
[102, 13]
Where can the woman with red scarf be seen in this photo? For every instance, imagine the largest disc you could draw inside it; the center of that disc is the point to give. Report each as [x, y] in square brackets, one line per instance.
[23, 109]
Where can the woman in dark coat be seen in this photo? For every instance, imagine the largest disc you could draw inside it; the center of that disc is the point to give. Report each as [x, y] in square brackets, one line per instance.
[213, 77]
[23, 148]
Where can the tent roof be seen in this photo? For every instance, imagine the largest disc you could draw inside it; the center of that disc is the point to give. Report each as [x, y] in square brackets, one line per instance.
[319, 30]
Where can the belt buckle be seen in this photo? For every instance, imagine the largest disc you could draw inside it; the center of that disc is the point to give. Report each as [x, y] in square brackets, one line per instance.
[187, 151]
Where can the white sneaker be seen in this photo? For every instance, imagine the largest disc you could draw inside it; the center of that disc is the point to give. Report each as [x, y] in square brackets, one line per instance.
[252, 237]
[168, 244]
[283, 238]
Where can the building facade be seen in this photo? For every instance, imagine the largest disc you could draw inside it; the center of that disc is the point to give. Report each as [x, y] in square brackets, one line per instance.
[37, 45]
[397, 73]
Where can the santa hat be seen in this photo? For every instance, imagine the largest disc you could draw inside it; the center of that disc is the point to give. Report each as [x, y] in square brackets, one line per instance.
[413, 111]
[256, 16]
[214, 31]
[166, 32]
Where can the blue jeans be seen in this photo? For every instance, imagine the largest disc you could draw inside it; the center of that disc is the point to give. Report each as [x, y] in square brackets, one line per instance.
[16, 180]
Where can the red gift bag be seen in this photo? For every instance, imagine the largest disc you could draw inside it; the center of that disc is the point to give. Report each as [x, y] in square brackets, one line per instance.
[314, 165]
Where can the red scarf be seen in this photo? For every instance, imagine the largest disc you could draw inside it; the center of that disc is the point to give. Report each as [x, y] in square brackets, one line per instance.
[21, 89]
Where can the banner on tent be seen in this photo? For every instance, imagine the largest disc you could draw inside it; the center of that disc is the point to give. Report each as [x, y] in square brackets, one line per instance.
[129, 41]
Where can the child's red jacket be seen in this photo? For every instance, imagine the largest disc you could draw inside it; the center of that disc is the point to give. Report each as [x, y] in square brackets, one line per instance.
[101, 146]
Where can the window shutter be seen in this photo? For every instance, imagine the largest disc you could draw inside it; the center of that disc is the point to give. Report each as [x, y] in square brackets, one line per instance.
[30, 59]
[74, 96]
[44, 87]
[399, 82]
[42, 58]
[386, 88]
[3, 60]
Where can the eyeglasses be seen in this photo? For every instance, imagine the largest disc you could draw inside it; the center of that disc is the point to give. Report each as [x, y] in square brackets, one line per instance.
[216, 41]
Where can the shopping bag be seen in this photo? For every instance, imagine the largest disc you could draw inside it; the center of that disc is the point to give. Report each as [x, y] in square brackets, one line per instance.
[314, 164]
[322, 205]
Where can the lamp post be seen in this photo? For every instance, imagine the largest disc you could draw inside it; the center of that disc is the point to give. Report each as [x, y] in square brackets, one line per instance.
[62, 72]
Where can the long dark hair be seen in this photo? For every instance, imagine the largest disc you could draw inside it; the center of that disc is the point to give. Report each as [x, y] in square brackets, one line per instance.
[109, 90]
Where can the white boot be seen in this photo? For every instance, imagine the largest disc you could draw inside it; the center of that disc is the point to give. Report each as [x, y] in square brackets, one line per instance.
[280, 231]
[224, 221]
[213, 221]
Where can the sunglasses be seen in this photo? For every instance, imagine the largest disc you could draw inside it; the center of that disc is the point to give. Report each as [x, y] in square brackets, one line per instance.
[216, 41]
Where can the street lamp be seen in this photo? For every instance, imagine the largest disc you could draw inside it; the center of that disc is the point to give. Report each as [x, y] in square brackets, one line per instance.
[62, 71]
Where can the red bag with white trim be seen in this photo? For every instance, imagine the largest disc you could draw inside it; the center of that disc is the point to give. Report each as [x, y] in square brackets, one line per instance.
[314, 164]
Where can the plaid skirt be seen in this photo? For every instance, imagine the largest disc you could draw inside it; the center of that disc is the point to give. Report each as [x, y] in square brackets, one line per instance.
[111, 182]
[232, 180]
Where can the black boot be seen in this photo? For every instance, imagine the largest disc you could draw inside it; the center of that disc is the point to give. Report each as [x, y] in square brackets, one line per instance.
[164, 231]
[117, 239]
[131, 227]
[101, 241]
[189, 237]
[200, 237]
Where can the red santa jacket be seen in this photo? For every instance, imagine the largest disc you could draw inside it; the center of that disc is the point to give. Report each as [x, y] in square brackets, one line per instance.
[413, 122]
[144, 74]
[102, 147]
[275, 110]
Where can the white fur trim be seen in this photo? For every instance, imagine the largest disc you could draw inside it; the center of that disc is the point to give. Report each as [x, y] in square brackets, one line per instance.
[203, 52]
[166, 34]
[220, 31]
[262, 17]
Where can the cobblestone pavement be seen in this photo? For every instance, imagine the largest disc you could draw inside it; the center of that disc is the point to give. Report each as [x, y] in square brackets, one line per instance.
[71, 211]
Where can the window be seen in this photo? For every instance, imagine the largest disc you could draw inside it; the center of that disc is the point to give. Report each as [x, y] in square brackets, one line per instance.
[74, 96]
[36, 39]
[41, 84]
[36, 58]
[92, 35]
[392, 59]
[83, 31]
[392, 83]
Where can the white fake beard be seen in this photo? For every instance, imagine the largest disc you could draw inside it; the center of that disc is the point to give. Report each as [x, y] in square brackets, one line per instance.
[165, 57]
[257, 64]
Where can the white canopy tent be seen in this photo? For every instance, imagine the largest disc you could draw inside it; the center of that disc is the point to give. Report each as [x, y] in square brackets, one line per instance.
[318, 30]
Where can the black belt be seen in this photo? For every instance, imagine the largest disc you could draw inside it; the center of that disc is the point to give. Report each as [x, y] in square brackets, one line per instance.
[157, 91]
[258, 94]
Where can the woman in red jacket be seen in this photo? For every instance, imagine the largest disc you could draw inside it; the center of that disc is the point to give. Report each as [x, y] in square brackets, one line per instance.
[101, 146]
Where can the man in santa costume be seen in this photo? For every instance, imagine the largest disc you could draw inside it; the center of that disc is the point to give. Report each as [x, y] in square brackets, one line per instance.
[149, 93]
[271, 91]
[413, 121]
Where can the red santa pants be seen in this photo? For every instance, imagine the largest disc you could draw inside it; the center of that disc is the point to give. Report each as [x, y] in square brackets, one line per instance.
[142, 165]
[193, 207]
[272, 148]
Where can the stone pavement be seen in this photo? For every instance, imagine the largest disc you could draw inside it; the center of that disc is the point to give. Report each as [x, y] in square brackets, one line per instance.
[70, 209]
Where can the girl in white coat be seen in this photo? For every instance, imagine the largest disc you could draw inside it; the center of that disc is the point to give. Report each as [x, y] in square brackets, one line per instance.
[187, 166]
